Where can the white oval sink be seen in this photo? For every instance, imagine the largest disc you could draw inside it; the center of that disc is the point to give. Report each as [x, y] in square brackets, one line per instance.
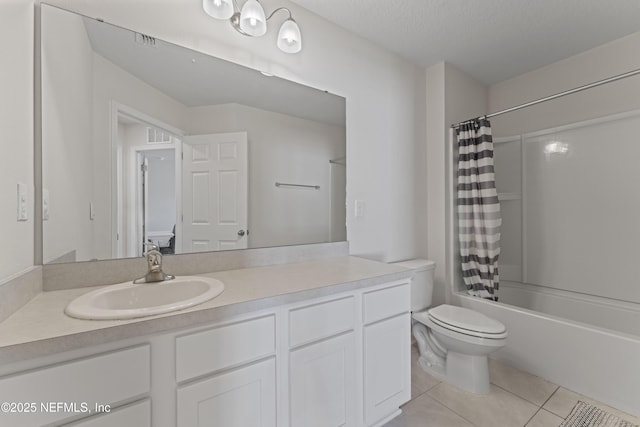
[128, 300]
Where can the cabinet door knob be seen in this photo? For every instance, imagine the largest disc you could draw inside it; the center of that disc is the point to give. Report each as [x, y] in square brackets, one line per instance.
[241, 233]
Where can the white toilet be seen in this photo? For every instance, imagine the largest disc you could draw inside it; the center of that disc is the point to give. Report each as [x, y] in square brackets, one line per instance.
[454, 341]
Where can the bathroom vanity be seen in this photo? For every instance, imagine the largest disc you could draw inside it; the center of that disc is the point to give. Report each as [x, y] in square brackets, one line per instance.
[316, 343]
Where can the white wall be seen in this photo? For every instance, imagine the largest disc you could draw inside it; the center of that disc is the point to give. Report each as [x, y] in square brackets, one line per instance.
[286, 149]
[16, 144]
[381, 96]
[608, 60]
[451, 97]
[67, 133]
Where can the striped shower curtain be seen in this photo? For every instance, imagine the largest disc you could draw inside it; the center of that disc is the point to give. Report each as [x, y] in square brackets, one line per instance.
[478, 209]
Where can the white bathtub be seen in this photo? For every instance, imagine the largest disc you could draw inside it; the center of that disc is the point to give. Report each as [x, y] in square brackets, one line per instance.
[607, 313]
[600, 363]
[596, 362]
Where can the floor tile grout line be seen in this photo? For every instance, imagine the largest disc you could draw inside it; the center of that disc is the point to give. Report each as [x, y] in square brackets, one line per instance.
[533, 416]
[541, 408]
[524, 398]
[503, 389]
[549, 398]
[552, 412]
[452, 410]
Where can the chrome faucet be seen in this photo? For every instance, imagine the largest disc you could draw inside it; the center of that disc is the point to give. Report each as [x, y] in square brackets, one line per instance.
[154, 262]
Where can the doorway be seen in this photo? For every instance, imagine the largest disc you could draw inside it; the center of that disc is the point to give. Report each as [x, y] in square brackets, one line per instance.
[146, 182]
[157, 199]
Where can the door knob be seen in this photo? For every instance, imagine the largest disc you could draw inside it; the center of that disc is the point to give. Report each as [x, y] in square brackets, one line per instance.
[241, 233]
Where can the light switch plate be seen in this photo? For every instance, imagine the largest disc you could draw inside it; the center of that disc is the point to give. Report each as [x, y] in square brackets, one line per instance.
[23, 203]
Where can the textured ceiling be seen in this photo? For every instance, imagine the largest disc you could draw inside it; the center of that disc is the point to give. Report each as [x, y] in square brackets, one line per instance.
[492, 40]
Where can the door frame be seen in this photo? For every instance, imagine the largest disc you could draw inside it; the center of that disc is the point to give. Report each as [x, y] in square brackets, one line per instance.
[117, 109]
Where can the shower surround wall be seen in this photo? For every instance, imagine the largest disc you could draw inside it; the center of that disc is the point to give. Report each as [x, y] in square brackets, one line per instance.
[602, 154]
[569, 209]
[588, 359]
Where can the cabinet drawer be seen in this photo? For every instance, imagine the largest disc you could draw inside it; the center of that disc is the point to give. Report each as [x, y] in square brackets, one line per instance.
[208, 351]
[321, 320]
[97, 380]
[387, 302]
[136, 415]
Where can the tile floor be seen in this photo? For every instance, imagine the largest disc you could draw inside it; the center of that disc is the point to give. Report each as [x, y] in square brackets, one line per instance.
[517, 399]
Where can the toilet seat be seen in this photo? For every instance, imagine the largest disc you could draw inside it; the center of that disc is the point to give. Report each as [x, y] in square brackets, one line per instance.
[466, 336]
[466, 322]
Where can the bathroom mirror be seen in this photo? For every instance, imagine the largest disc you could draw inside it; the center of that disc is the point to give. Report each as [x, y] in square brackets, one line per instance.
[146, 142]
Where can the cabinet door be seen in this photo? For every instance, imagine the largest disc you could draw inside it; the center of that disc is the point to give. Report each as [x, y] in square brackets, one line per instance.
[245, 397]
[387, 367]
[323, 383]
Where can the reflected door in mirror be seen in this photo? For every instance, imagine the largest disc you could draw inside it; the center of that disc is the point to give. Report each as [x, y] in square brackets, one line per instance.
[214, 192]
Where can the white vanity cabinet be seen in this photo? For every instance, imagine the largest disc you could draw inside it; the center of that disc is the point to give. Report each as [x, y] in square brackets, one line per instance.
[387, 351]
[322, 364]
[239, 389]
[93, 385]
[341, 359]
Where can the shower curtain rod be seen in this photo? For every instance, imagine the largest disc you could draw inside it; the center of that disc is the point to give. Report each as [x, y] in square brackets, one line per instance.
[557, 95]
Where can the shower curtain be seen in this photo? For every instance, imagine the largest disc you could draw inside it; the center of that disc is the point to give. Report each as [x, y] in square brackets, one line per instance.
[478, 209]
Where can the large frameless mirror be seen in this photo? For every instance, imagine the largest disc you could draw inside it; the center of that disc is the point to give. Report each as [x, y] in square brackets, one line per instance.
[145, 142]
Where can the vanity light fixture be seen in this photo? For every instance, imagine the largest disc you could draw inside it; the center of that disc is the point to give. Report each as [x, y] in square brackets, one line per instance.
[251, 21]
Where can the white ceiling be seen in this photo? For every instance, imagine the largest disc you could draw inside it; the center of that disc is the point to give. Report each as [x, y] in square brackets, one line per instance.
[491, 40]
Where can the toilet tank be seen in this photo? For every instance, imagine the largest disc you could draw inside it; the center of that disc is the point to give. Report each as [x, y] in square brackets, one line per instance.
[422, 282]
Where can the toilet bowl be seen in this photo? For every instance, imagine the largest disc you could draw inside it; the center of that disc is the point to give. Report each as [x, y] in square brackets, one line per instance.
[453, 341]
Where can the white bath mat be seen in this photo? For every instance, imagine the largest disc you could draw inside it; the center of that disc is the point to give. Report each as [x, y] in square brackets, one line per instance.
[586, 415]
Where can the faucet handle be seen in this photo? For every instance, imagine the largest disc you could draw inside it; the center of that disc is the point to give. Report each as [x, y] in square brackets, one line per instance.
[151, 247]
[154, 263]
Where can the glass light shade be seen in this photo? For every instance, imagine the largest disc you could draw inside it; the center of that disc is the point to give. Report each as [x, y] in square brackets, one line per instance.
[289, 37]
[219, 9]
[252, 19]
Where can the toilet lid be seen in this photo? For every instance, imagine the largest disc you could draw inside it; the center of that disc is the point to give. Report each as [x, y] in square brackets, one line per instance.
[465, 319]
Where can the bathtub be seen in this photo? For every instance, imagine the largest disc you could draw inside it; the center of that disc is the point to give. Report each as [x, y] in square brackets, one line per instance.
[596, 362]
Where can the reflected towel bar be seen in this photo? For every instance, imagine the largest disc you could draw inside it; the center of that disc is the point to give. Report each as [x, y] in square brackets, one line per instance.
[282, 184]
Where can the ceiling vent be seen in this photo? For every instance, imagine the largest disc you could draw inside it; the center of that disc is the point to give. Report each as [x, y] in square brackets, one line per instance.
[145, 40]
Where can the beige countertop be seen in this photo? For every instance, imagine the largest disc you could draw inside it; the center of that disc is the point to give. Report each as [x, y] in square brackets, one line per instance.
[41, 328]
